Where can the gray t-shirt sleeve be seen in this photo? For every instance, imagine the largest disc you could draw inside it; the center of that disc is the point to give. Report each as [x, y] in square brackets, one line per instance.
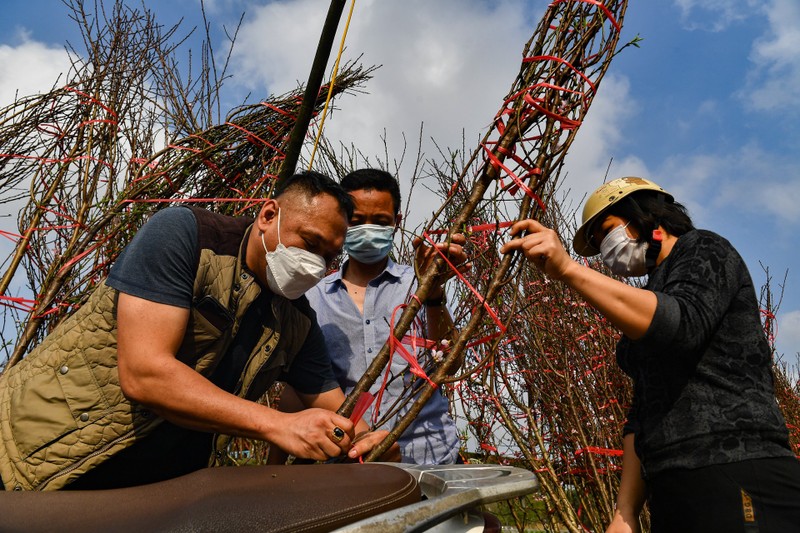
[160, 262]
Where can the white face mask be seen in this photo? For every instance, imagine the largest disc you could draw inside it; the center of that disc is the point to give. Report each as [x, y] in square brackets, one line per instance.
[623, 255]
[291, 271]
[368, 243]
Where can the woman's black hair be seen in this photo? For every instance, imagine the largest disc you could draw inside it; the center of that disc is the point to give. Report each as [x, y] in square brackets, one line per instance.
[647, 210]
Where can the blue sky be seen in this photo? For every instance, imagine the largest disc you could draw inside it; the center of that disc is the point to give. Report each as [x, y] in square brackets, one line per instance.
[706, 106]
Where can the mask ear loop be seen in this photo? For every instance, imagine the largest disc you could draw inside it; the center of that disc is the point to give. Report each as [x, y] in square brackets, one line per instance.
[264, 244]
[654, 248]
[279, 224]
[651, 256]
[589, 233]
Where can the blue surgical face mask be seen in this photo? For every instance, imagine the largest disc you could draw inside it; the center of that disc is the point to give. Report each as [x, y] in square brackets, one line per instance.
[368, 243]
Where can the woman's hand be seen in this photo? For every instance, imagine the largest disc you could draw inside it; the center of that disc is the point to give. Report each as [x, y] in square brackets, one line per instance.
[629, 308]
[623, 524]
[541, 246]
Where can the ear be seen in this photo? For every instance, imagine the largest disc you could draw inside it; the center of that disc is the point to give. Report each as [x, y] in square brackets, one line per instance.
[398, 218]
[267, 215]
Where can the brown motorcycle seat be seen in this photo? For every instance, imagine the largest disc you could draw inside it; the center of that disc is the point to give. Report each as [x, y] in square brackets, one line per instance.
[298, 498]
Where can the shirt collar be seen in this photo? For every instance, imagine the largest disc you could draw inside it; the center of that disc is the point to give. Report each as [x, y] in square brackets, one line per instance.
[334, 281]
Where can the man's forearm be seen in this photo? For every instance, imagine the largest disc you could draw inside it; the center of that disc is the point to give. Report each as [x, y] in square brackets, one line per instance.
[440, 323]
[186, 398]
[441, 328]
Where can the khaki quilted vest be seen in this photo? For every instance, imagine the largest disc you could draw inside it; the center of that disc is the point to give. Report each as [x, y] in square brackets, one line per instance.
[62, 411]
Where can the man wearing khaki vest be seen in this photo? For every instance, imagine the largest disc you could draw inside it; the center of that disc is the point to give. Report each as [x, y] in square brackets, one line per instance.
[199, 316]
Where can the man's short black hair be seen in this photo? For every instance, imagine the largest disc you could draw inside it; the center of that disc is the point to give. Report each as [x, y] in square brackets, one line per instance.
[312, 184]
[373, 179]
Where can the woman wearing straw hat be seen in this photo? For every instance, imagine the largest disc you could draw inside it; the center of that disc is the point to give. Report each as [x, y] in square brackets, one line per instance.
[705, 443]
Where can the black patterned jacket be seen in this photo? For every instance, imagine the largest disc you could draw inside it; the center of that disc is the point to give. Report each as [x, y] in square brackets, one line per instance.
[702, 374]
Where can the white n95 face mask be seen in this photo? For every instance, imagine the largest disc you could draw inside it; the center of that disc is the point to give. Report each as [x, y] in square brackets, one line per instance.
[368, 243]
[291, 271]
[623, 255]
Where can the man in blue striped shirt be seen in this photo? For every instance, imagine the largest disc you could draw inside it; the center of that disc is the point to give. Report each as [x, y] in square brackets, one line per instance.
[354, 308]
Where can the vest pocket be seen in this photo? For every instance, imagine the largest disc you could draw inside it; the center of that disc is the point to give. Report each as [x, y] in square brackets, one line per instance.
[54, 402]
[214, 313]
[207, 331]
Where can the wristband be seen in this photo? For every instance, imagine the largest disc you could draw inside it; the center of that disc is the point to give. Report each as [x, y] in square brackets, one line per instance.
[436, 302]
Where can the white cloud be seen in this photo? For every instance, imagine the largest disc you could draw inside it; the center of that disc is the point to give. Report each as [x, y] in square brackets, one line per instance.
[447, 64]
[788, 336]
[26, 69]
[600, 138]
[276, 43]
[29, 68]
[780, 198]
[714, 15]
[747, 180]
[691, 180]
[221, 6]
[434, 71]
[772, 84]
[776, 64]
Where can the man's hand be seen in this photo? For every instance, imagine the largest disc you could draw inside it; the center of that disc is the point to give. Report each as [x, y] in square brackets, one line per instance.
[365, 442]
[328, 402]
[314, 433]
[425, 255]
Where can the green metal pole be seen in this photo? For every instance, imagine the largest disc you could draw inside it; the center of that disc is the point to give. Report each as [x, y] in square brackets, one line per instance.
[312, 90]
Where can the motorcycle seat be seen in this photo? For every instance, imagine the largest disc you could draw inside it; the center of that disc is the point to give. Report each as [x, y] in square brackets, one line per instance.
[298, 498]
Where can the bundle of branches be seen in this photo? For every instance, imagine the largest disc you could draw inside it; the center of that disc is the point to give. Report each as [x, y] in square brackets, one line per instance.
[90, 161]
[787, 385]
[552, 400]
[787, 392]
[562, 66]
